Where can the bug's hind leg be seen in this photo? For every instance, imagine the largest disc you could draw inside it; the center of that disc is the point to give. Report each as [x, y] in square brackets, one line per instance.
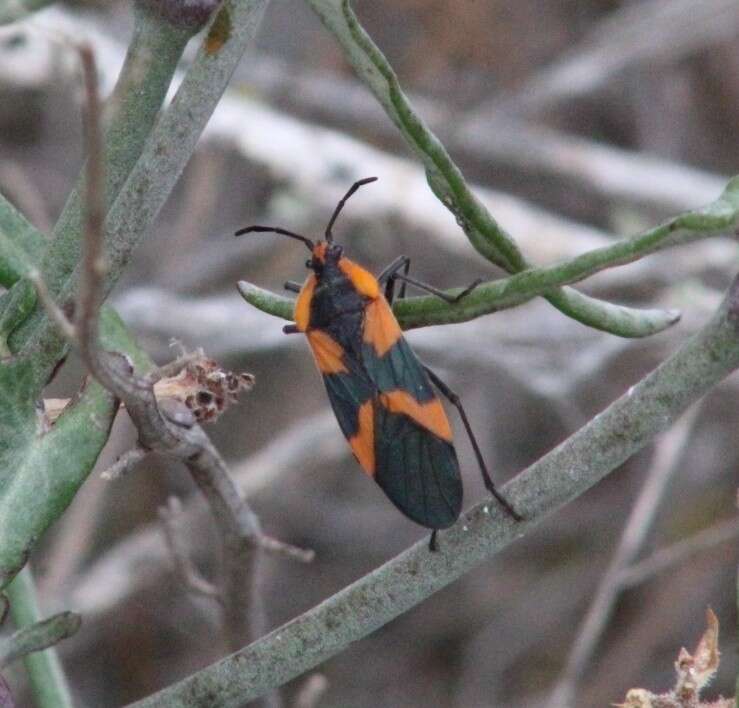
[433, 547]
[453, 398]
[292, 286]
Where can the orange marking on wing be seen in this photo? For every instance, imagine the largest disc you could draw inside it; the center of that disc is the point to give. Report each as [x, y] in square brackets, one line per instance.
[381, 329]
[301, 314]
[363, 442]
[327, 352]
[363, 281]
[429, 415]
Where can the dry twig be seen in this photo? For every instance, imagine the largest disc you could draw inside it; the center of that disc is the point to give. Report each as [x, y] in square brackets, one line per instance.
[238, 525]
[171, 517]
[311, 691]
[636, 531]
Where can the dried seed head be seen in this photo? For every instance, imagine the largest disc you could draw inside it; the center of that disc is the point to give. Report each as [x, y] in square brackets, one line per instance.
[694, 671]
[205, 388]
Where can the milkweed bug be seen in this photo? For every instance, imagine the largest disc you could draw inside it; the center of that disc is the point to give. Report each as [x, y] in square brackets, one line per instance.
[380, 391]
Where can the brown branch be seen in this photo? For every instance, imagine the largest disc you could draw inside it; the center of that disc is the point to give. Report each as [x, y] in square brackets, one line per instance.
[679, 552]
[171, 516]
[174, 367]
[238, 526]
[125, 463]
[311, 691]
[280, 548]
[669, 453]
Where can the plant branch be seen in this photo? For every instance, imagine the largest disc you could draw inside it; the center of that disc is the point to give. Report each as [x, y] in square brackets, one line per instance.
[96, 593]
[447, 182]
[670, 452]
[239, 526]
[152, 57]
[165, 151]
[574, 466]
[595, 168]
[38, 636]
[171, 518]
[45, 671]
[124, 464]
[719, 217]
[679, 552]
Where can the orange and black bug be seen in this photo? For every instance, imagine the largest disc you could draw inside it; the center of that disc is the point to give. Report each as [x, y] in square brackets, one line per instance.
[380, 391]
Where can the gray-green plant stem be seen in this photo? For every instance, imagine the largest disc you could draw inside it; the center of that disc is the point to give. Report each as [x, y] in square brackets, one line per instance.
[21, 250]
[155, 49]
[447, 181]
[45, 673]
[152, 57]
[609, 439]
[719, 217]
[39, 636]
[164, 156]
[156, 432]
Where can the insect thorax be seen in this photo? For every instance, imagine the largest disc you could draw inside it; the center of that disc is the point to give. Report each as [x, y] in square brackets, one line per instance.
[336, 307]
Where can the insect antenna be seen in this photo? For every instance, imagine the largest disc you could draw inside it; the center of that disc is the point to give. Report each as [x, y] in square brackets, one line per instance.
[340, 205]
[276, 230]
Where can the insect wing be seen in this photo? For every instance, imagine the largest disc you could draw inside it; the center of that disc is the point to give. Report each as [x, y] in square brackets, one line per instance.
[415, 462]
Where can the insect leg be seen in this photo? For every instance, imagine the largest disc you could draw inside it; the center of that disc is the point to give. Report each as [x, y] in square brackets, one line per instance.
[292, 286]
[453, 398]
[390, 274]
[290, 329]
[451, 299]
[433, 547]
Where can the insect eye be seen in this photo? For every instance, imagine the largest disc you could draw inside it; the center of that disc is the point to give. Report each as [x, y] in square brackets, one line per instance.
[309, 263]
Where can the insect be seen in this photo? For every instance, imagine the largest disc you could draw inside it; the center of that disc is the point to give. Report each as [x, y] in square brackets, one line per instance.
[381, 393]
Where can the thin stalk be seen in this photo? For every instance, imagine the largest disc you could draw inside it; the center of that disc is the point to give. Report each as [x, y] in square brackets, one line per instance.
[578, 463]
[45, 672]
[446, 180]
[166, 151]
[151, 60]
[719, 217]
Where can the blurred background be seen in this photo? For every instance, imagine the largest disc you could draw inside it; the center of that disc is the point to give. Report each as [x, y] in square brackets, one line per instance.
[577, 122]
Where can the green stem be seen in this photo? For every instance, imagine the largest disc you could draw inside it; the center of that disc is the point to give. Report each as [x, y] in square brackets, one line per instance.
[574, 466]
[165, 154]
[38, 636]
[722, 216]
[153, 55]
[447, 181]
[45, 673]
[20, 242]
[25, 250]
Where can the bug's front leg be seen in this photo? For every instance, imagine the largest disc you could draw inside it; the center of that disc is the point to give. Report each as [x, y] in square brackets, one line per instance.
[392, 273]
